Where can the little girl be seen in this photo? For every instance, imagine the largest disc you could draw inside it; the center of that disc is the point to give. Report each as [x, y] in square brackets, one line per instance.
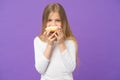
[55, 52]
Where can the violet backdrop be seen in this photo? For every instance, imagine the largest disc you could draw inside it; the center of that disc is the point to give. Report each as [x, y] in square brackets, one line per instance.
[95, 23]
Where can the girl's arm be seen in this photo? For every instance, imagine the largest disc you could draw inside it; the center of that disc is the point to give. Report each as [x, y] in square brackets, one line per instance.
[68, 52]
[42, 57]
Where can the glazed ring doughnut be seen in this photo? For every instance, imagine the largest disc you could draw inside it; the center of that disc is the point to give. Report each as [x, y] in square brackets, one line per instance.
[51, 28]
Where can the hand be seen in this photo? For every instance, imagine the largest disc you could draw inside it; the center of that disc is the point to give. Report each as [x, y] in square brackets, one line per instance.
[60, 36]
[49, 37]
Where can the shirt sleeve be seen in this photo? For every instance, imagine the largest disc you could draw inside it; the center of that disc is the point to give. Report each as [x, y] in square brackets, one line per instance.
[41, 62]
[69, 56]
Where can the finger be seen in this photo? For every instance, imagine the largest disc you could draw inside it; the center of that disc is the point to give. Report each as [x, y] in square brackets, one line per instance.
[53, 39]
[48, 33]
[51, 36]
[56, 36]
[44, 32]
[54, 33]
[59, 33]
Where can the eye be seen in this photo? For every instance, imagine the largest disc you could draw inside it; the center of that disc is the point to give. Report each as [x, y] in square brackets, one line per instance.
[49, 20]
[58, 20]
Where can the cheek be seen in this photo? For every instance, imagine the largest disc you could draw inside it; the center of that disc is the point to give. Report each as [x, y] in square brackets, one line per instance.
[47, 24]
[59, 24]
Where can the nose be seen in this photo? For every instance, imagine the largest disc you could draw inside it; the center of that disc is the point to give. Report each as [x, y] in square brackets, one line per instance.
[53, 23]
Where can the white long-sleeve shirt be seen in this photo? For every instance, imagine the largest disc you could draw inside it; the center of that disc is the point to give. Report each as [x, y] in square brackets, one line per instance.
[60, 66]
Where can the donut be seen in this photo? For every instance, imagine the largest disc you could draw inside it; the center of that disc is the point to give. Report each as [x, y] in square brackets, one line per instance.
[51, 28]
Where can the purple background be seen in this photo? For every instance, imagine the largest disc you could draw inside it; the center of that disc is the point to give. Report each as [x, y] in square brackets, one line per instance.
[95, 23]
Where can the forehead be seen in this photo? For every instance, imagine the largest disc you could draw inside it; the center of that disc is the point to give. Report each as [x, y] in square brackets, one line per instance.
[54, 15]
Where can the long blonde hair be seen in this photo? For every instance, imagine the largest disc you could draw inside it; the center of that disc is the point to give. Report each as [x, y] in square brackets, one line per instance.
[56, 7]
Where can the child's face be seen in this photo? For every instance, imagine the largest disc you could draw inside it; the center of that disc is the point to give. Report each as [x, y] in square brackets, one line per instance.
[54, 20]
